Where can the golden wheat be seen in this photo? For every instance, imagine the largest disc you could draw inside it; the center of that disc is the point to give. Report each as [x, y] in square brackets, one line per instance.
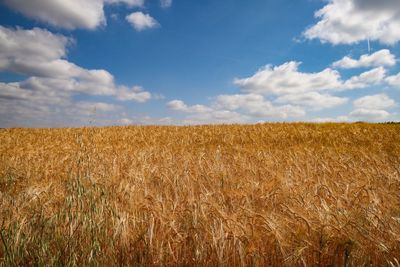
[229, 195]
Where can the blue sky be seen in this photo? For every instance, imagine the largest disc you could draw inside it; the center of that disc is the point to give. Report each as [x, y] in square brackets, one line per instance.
[113, 62]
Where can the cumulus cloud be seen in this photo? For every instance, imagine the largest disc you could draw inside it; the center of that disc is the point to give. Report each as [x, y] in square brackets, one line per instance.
[70, 14]
[235, 109]
[287, 79]
[28, 51]
[351, 21]
[372, 107]
[365, 79]
[179, 105]
[379, 101]
[380, 58]
[291, 93]
[394, 80]
[52, 80]
[200, 114]
[313, 100]
[141, 21]
[39, 54]
[136, 93]
[256, 106]
[369, 114]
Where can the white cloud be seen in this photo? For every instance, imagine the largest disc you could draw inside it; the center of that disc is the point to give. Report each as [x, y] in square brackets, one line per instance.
[238, 101]
[365, 79]
[136, 93]
[296, 92]
[39, 54]
[125, 121]
[256, 106]
[141, 21]
[351, 21]
[52, 81]
[375, 102]
[200, 114]
[19, 47]
[313, 100]
[369, 114]
[179, 105]
[380, 58]
[235, 109]
[372, 107]
[286, 79]
[290, 93]
[71, 14]
[165, 3]
[394, 80]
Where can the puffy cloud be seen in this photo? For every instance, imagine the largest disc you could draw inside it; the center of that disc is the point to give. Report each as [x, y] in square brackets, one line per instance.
[38, 53]
[394, 80]
[257, 106]
[365, 79]
[136, 93]
[17, 45]
[369, 114]
[290, 93]
[200, 114]
[235, 109]
[238, 101]
[313, 100]
[179, 105]
[125, 121]
[94, 84]
[380, 58]
[165, 3]
[141, 21]
[286, 79]
[52, 81]
[379, 101]
[351, 21]
[70, 14]
[372, 107]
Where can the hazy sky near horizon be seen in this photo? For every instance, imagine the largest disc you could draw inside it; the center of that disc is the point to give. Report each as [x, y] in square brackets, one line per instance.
[117, 62]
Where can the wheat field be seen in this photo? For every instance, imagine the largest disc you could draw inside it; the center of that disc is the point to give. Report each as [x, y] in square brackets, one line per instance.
[276, 194]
